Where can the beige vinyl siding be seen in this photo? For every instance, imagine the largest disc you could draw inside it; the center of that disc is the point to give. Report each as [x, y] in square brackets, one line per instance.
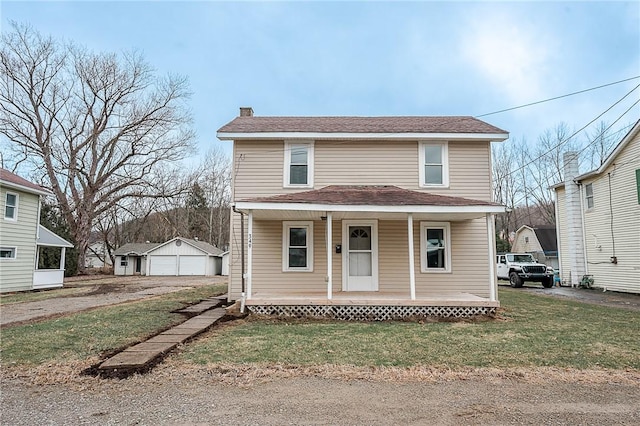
[259, 166]
[470, 269]
[17, 274]
[522, 245]
[625, 275]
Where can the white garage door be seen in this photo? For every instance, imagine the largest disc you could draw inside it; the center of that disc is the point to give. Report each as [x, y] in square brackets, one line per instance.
[193, 265]
[162, 265]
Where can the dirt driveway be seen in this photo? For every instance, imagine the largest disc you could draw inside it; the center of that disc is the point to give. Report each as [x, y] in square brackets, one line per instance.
[198, 398]
[593, 296]
[101, 291]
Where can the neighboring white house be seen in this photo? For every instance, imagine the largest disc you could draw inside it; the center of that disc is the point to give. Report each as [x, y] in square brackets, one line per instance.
[97, 256]
[131, 258]
[540, 241]
[598, 219]
[176, 257]
[22, 237]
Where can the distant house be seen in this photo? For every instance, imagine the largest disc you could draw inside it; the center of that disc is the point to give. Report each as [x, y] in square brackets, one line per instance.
[22, 238]
[176, 257]
[131, 258]
[363, 217]
[598, 218]
[97, 256]
[540, 241]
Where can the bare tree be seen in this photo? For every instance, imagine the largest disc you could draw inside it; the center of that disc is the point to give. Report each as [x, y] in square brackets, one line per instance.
[216, 181]
[600, 146]
[98, 125]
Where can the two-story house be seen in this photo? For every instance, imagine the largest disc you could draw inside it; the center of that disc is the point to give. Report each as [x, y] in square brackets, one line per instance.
[22, 238]
[598, 219]
[362, 217]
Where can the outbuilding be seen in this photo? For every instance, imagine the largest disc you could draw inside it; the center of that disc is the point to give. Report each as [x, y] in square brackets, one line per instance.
[184, 256]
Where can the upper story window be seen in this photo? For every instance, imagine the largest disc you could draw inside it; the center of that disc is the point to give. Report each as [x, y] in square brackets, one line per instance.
[297, 246]
[588, 195]
[298, 164]
[11, 206]
[435, 246]
[434, 164]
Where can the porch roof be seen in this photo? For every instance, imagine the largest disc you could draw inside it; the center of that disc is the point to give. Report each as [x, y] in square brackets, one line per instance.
[385, 201]
[50, 239]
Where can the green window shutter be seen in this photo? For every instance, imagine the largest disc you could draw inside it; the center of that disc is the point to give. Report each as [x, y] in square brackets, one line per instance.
[638, 184]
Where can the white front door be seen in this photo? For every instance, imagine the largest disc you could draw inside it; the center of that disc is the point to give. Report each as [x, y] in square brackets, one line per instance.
[360, 255]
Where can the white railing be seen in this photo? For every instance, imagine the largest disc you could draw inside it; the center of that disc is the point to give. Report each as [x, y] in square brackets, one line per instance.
[47, 278]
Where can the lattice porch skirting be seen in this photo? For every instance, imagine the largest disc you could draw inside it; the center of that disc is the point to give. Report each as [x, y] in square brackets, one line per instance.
[370, 312]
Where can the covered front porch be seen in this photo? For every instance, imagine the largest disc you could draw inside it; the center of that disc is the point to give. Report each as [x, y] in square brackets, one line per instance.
[371, 265]
[50, 259]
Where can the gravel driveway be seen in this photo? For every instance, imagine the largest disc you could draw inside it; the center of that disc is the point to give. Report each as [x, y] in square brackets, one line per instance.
[101, 291]
[197, 399]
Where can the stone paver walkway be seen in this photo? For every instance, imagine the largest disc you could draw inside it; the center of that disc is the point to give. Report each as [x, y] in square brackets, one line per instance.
[140, 356]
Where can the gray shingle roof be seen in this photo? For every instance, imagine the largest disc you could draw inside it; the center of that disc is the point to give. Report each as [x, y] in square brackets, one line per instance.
[400, 124]
[135, 248]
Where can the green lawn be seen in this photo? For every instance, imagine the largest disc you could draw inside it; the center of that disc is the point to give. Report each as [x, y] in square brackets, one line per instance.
[536, 331]
[82, 335]
[533, 331]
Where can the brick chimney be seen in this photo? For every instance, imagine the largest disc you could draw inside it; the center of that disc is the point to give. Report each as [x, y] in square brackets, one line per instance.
[246, 112]
[573, 207]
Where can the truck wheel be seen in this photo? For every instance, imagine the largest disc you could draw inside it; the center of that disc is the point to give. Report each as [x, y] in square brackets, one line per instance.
[547, 282]
[515, 280]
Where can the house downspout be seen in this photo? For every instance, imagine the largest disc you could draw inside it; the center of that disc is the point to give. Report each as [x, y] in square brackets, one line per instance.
[243, 294]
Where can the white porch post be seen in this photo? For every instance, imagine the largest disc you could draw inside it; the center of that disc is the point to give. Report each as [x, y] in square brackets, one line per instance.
[249, 253]
[412, 274]
[62, 256]
[491, 241]
[329, 255]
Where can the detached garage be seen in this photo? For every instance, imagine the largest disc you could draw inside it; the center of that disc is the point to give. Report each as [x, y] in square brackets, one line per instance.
[183, 256]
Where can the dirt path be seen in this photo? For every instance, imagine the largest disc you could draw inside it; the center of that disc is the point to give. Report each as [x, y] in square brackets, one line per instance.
[103, 292]
[189, 399]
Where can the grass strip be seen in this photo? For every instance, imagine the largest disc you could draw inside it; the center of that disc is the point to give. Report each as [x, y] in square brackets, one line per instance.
[91, 333]
[534, 332]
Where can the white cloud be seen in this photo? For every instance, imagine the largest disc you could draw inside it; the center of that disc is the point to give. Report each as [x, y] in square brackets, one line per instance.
[515, 57]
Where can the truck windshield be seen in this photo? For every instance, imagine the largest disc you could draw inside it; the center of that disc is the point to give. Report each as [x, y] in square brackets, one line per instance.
[524, 258]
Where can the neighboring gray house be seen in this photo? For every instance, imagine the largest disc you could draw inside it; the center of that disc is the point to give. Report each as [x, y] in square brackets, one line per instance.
[176, 257]
[540, 241]
[22, 236]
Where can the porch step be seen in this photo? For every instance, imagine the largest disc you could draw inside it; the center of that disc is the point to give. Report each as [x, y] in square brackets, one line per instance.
[143, 355]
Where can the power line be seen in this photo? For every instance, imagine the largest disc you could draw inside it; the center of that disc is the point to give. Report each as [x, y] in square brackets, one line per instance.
[562, 142]
[558, 97]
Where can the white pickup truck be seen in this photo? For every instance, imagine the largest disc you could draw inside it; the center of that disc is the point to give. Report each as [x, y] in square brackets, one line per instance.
[521, 267]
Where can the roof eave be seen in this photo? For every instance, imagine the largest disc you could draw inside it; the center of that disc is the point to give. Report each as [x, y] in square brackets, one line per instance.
[252, 205]
[491, 137]
[23, 188]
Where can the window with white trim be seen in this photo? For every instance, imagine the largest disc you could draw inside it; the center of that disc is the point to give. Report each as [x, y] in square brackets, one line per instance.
[11, 206]
[588, 195]
[7, 252]
[298, 164]
[434, 164]
[297, 246]
[435, 246]
[124, 261]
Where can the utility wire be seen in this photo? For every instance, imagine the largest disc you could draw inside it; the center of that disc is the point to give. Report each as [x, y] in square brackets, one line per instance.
[562, 142]
[558, 97]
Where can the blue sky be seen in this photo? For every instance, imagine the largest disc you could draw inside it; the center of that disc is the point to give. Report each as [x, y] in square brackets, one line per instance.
[371, 58]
